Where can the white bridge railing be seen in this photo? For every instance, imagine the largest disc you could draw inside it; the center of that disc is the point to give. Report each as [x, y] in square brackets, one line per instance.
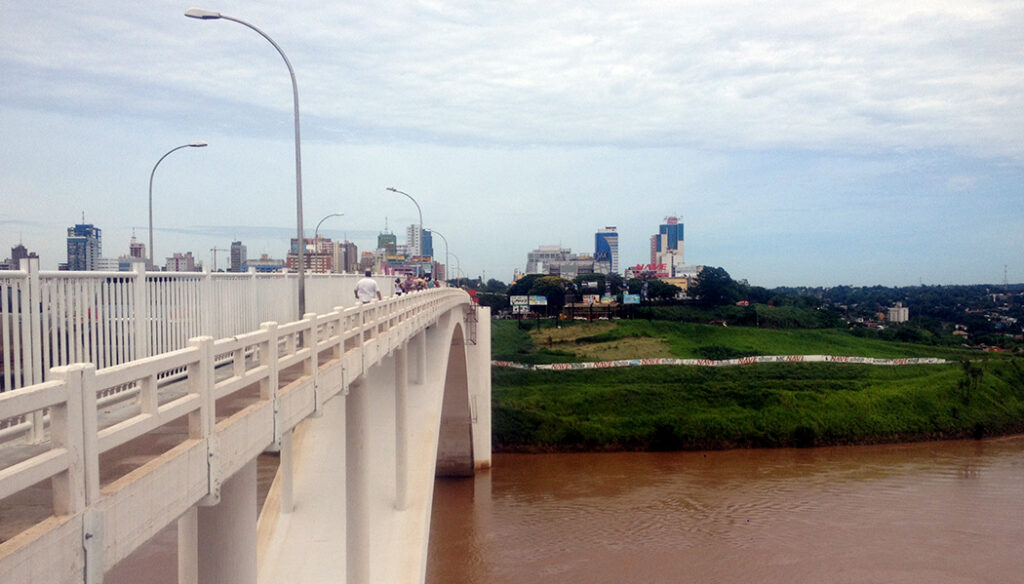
[48, 319]
[210, 422]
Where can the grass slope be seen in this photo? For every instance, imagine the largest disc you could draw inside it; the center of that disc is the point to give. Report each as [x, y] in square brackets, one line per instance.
[668, 408]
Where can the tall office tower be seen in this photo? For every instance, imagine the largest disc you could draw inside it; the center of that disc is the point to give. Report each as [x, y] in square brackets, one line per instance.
[388, 242]
[18, 253]
[85, 247]
[136, 249]
[345, 257]
[670, 236]
[428, 244]
[412, 238]
[606, 249]
[667, 245]
[238, 257]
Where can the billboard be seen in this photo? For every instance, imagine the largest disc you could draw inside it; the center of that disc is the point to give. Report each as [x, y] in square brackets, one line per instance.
[519, 300]
[538, 300]
[631, 299]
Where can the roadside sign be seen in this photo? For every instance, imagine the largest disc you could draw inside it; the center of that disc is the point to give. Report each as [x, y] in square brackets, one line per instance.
[538, 300]
[519, 300]
[631, 299]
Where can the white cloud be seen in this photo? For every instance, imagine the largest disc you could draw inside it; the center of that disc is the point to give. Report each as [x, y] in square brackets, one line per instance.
[713, 75]
[669, 107]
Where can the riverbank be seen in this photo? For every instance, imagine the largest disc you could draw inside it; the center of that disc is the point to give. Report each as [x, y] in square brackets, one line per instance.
[757, 405]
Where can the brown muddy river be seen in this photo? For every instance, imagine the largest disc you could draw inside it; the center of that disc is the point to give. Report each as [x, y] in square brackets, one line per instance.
[948, 512]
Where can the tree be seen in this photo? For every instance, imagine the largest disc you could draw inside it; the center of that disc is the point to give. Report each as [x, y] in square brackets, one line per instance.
[714, 287]
[660, 290]
[495, 286]
[522, 286]
[553, 287]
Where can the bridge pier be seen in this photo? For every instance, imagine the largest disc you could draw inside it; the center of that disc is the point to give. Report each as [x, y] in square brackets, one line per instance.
[401, 428]
[217, 544]
[357, 483]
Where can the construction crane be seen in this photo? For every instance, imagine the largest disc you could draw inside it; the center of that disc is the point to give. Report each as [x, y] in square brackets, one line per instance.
[215, 250]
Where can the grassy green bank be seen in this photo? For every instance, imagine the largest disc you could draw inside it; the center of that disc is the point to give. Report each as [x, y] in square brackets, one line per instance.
[770, 405]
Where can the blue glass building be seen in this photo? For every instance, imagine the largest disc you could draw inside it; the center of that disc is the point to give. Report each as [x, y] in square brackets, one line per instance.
[606, 248]
[670, 235]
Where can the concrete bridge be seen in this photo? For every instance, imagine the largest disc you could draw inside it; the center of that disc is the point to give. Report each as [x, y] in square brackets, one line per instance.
[365, 405]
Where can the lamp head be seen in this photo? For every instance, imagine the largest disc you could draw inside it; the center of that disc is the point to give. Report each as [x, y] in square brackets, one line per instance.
[202, 14]
[198, 144]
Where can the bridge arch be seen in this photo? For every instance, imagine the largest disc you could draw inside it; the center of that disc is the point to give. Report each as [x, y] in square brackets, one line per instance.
[455, 433]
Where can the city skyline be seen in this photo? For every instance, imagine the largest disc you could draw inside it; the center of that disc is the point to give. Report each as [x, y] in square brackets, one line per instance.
[807, 144]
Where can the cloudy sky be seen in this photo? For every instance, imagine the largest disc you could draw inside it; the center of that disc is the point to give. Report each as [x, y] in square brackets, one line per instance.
[801, 143]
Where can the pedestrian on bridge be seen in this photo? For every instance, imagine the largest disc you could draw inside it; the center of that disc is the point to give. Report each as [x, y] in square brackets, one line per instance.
[367, 288]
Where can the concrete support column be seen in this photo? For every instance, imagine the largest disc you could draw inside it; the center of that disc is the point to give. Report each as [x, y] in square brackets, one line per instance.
[418, 346]
[286, 470]
[479, 365]
[188, 547]
[227, 532]
[401, 428]
[357, 484]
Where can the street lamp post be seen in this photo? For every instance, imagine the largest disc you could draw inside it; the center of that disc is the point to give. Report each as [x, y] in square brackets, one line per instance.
[458, 265]
[151, 174]
[394, 190]
[434, 232]
[316, 232]
[212, 15]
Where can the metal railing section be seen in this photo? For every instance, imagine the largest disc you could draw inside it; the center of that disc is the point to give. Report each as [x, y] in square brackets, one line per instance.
[48, 319]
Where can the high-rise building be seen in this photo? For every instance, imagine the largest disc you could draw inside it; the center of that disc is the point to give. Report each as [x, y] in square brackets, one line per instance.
[238, 257]
[315, 255]
[670, 236]
[18, 253]
[606, 249]
[136, 256]
[412, 238]
[85, 247]
[346, 257]
[428, 244]
[667, 245]
[388, 242]
[136, 249]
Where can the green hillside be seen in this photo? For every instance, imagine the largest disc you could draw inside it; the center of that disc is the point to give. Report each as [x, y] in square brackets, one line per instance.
[766, 405]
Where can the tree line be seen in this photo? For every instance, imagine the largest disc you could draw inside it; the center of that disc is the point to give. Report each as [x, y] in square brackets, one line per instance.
[988, 314]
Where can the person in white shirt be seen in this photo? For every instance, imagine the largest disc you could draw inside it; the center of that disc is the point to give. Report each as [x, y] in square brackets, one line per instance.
[367, 289]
